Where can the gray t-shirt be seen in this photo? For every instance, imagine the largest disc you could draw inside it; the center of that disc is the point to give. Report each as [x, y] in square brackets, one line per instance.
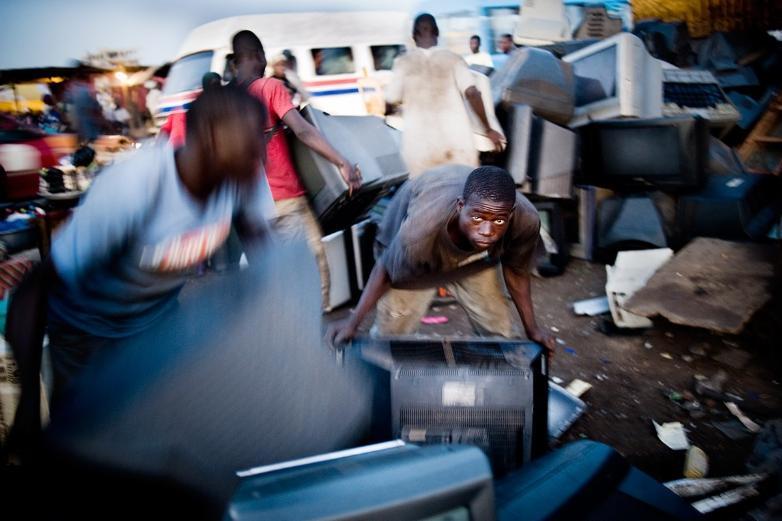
[129, 247]
[414, 245]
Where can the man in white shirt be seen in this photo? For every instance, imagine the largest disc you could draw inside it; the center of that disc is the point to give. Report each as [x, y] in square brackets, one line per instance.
[432, 84]
[476, 56]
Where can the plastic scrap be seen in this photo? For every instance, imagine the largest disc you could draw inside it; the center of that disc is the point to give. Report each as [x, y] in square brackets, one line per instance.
[578, 387]
[672, 435]
[749, 424]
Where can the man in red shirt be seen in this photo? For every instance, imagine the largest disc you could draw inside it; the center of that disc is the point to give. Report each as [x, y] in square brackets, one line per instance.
[294, 215]
[174, 127]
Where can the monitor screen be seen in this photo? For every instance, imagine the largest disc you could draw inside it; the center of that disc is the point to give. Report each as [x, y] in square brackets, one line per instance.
[664, 152]
[641, 152]
[596, 76]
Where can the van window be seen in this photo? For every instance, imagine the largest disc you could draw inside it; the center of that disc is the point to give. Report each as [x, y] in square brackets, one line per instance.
[383, 55]
[333, 60]
[186, 73]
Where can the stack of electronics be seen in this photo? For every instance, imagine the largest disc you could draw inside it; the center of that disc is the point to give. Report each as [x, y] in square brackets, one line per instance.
[370, 143]
[609, 116]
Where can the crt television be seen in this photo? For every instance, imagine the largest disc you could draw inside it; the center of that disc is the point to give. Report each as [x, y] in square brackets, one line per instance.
[389, 480]
[491, 393]
[667, 153]
[615, 78]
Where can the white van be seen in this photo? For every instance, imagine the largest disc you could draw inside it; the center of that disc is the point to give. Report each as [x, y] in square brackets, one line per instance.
[343, 58]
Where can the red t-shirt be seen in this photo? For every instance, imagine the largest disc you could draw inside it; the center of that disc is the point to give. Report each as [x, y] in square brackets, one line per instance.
[282, 176]
[176, 128]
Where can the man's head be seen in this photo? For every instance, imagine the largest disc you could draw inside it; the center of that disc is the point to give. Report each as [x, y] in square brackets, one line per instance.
[225, 126]
[486, 206]
[425, 31]
[210, 80]
[506, 43]
[248, 54]
[475, 43]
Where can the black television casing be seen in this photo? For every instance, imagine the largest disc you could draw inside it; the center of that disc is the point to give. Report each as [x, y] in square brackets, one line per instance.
[667, 153]
[492, 393]
[363, 140]
[732, 207]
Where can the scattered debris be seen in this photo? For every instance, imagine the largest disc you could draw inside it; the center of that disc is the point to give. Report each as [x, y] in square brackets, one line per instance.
[557, 380]
[434, 319]
[648, 345]
[696, 465]
[712, 387]
[601, 377]
[732, 429]
[701, 487]
[561, 342]
[666, 356]
[591, 307]
[725, 499]
[669, 334]
[749, 424]
[555, 329]
[735, 358]
[570, 351]
[687, 358]
[698, 350]
[672, 435]
[578, 387]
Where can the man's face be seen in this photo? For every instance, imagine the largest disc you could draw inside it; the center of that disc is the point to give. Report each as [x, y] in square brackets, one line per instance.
[505, 45]
[483, 222]
[475, 45]
[424, 35]
[239, 150]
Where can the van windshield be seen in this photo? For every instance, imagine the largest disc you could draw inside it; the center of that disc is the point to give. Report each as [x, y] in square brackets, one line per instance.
[186, 73]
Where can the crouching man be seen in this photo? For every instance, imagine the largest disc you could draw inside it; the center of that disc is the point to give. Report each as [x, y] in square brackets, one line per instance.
[452, 226]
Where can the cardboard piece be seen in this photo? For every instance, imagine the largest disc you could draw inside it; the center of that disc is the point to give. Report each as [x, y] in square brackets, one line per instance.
[710, 283]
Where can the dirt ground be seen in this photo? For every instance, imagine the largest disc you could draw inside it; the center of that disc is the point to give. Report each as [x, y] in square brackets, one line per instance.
[633, 376]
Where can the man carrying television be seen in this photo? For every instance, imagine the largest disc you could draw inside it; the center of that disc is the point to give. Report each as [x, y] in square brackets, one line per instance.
[453, 225]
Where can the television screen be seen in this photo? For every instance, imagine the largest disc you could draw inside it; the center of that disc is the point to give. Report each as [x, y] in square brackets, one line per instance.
[641, 152]
[596, 76]
[663, 152]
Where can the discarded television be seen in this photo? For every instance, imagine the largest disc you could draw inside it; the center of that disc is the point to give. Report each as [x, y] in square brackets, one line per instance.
[385, 481]
[542, 156]
[363, 140]
[667, 153]
[488, 393]
[616, 77]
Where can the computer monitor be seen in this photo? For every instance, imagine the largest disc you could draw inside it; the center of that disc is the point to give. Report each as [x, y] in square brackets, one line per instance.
[390, 480]
[667, 153]
[616, 77]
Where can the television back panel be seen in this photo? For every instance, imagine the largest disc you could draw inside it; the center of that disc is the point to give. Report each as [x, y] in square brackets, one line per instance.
[537, 78]
[493, 394]
[363, 140]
